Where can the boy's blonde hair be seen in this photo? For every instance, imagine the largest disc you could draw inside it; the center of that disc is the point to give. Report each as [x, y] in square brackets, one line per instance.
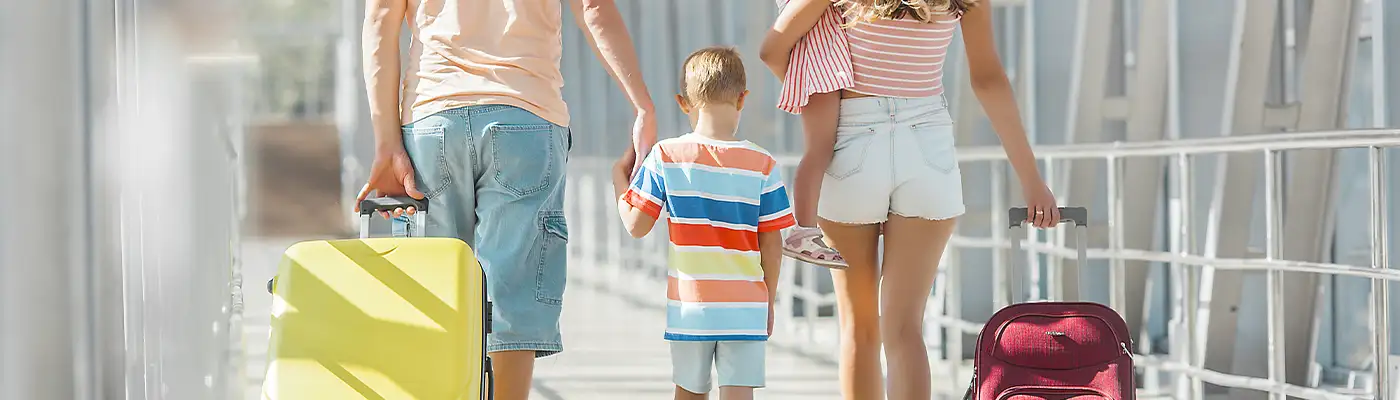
[713, 75]
[857, 11]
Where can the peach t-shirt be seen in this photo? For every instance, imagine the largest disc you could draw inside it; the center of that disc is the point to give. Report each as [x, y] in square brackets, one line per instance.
[472, 52]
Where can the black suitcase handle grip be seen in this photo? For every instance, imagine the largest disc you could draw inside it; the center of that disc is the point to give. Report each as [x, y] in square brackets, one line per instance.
[370, 205]
[1077, 215]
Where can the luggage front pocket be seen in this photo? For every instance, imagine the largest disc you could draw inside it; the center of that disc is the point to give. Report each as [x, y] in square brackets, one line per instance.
[1051, 393]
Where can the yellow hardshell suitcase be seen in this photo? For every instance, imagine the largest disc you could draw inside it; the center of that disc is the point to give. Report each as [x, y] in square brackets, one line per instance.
[379, 318]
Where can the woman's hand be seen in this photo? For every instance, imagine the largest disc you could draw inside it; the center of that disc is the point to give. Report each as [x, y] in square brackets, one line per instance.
[1040, 202]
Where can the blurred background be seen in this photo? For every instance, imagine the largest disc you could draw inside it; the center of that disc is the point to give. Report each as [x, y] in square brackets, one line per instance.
[158, 156]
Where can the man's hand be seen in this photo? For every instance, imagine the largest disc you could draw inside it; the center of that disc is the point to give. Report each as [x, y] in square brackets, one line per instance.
[391, 175]
[643, 137]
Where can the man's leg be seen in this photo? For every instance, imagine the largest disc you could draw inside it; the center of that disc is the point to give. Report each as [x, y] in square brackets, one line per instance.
[521, 238]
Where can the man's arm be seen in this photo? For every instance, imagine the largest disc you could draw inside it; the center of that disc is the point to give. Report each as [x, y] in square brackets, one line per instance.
[380, 38]
[391, 174]
[606, 33]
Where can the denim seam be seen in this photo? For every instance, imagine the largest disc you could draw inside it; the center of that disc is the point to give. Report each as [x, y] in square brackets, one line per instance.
[546, 245]
[541, 349]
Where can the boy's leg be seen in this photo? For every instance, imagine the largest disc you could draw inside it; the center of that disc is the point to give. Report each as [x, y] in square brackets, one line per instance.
[735, 393]
[520, 236]
[819, 121]
[741, 368]
[690, 368]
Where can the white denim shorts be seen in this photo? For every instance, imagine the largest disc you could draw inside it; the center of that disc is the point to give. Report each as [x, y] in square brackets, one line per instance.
[893, 156]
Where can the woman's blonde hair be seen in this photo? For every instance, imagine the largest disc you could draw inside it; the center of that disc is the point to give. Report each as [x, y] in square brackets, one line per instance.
[922, 10]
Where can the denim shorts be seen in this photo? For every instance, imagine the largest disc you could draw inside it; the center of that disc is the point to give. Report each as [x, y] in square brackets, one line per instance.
[494, 175]
[739, 363]
[892, 156]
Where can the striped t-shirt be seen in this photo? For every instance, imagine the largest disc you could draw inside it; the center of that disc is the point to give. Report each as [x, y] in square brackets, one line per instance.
[719, 195]
[820, 63]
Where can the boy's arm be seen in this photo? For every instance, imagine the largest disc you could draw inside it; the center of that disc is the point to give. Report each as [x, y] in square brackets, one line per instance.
[774, 215]
[638, 213]
[794, 21]
[770, 249]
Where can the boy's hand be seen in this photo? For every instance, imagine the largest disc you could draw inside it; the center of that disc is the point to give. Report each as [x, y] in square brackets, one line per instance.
[627, 164]
[770, 317]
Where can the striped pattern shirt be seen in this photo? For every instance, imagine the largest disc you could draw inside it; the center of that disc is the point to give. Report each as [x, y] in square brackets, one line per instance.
[900, 58]
[719, 195]
[820, 63]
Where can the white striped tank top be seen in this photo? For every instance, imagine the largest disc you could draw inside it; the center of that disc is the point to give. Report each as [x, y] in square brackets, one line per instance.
[900, 58]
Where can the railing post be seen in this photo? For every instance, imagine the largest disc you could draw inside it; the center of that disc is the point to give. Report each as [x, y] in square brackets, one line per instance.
[1189, 277]
[953, 309]
[1000, 288]
[1118, 296]
[1380, 291]
[1273, 198]
[1055, 273]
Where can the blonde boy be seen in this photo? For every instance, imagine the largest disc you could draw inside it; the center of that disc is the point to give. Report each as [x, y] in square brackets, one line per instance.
[726, 205]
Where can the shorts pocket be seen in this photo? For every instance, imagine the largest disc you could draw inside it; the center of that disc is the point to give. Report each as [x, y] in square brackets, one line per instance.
[849, 153]
[427, 149]
[551, 271]
[523, 156]
[936, 143]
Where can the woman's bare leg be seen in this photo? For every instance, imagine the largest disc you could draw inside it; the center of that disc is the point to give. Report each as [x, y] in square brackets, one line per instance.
[913, 248]
[857, 302]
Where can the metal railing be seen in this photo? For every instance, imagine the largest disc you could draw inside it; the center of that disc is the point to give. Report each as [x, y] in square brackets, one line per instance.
[605, 256]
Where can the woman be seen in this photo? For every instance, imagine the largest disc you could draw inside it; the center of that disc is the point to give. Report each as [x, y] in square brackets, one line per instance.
[894, 166]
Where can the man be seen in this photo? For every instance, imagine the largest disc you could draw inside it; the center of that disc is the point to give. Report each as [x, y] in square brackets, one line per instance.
[480, 129]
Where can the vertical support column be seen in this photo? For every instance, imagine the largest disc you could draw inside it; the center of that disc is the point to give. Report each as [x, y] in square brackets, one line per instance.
[1387, 32]
[42, 250]
[1142, 178]
[1088, 78]
[1252, 44]
[351, 108]
[1330, 47]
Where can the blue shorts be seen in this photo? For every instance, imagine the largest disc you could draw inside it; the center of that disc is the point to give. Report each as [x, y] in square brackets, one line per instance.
[495, 177]
[739, 363]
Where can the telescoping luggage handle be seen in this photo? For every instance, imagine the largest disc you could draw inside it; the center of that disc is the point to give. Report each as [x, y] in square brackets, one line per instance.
[369, 206]
[418, 225]
[1079, 216]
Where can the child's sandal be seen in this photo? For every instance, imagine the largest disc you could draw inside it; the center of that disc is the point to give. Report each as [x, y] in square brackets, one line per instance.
[806, 245]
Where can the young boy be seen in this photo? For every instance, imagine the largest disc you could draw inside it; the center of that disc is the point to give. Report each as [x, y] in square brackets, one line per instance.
[727, 205]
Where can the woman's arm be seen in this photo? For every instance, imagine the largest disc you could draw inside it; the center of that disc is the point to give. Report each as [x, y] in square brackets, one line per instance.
[795, 20]
[993, 90]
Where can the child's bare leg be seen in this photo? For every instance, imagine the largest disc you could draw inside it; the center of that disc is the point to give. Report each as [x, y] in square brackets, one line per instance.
[682, 394]
[735, 393]
[819, 119]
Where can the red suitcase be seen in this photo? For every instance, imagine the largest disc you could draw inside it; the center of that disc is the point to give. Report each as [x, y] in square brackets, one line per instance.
[1054, 350]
